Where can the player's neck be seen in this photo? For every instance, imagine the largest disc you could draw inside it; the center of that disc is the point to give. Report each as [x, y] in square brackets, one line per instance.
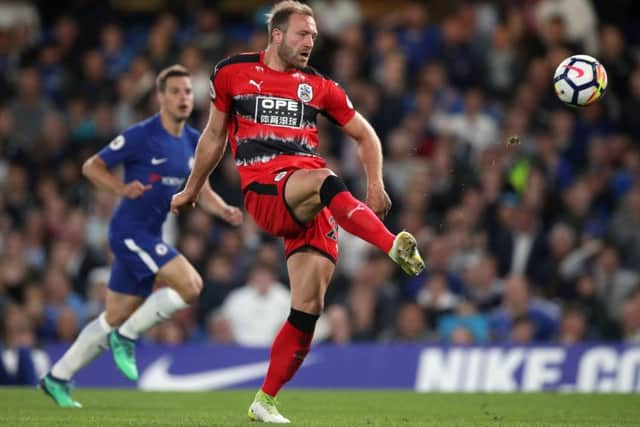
[172, 126]
[273, 61]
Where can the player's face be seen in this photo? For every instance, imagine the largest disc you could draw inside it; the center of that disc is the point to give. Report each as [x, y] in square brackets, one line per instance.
[177, 98]
[297, 42]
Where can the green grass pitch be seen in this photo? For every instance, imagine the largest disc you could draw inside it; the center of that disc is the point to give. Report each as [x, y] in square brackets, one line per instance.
[29, 407]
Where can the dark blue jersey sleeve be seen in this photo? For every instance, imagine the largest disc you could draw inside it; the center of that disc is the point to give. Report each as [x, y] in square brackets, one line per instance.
[124, 147]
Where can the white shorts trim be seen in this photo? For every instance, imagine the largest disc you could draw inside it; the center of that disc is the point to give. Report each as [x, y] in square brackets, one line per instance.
[144, 256]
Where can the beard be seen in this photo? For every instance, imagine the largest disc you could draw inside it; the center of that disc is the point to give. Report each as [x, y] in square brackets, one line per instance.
[291, 57]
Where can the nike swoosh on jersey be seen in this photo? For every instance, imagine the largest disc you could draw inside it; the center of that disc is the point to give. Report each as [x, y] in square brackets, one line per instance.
[157, 376]
[155, 161]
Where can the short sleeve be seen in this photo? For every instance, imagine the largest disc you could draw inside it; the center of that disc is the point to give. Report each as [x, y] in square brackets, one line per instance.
[219, 88]
[121, 149]
[337, 105]
[194, 137]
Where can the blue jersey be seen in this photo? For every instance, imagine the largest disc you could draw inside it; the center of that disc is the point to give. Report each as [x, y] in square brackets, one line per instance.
[152, 156]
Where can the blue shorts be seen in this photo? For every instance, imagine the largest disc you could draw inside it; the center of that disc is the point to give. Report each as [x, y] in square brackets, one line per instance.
[138, 257]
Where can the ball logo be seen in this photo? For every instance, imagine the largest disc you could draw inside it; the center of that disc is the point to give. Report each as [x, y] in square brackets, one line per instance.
[117, 143]
[578, 70]
[305, 92]
[161, 249]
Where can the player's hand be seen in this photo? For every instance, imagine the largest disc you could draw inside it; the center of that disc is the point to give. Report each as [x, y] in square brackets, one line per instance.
[378, 200]
[135, 189]
[232, 215]
[182, 199]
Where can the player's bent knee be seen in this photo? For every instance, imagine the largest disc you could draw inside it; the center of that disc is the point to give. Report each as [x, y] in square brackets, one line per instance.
[191, 288]
[319, 176]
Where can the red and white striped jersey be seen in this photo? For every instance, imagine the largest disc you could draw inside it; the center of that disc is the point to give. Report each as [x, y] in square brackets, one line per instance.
[273, 113]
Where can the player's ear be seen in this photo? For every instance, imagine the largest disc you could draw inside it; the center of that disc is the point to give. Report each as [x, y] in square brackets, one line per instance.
[276, 35]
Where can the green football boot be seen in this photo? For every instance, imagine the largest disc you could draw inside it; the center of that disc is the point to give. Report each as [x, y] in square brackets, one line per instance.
[124, 354]
[59, 391]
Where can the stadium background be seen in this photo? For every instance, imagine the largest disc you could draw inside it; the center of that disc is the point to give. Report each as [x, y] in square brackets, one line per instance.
[535, 242]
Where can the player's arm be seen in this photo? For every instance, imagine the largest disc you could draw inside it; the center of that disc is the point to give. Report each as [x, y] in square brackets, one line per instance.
[209, 151]
[96, 170]
[211, 202]
[370, 152]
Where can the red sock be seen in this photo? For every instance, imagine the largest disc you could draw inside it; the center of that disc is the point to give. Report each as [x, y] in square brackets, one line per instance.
[287, 354]
[359, 220]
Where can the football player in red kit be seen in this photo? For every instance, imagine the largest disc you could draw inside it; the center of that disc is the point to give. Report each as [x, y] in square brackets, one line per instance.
[266, 104]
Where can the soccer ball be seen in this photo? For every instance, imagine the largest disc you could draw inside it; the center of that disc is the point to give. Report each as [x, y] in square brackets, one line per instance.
[580, 80]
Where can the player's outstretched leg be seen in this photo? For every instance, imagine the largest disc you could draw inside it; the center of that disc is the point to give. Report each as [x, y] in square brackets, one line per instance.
[90, 343]
[359, 220]
[186, 285]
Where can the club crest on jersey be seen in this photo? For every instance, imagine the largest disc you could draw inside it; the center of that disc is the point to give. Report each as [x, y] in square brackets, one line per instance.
[305, 92]
[117, 143]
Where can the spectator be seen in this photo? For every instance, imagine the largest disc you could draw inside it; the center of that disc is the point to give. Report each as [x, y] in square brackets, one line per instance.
[522, 249]
[117, 55]
[256, 310]
[436, 298]
[518, 305]
[474, 129]
[613, 282]
[625, 229]
[465, 326]
[362, 307]
[631, 102]
[17, 342]
[522, 330]
[409, 325]
[219, 328]
[484, 289]
[334, 17]
[339, 326]
[573, 325]
[502, 63]
[218, 284]
[630, 320]
[58, 297]
[29, 106]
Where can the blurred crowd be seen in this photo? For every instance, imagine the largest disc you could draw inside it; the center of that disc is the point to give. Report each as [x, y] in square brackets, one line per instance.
[533, 241]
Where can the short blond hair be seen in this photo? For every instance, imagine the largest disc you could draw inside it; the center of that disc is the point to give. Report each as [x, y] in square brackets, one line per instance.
[175, 70]
[278, 16]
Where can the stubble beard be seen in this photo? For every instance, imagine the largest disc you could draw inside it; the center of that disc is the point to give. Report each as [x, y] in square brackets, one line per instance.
[290, 57]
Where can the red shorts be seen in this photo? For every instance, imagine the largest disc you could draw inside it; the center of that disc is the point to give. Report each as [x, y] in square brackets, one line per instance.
[264, 200]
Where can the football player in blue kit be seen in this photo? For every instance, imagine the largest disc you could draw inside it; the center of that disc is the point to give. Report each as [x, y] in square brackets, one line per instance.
[157, 155]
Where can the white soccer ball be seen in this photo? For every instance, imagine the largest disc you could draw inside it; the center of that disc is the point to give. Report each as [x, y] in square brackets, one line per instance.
[580, 80]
